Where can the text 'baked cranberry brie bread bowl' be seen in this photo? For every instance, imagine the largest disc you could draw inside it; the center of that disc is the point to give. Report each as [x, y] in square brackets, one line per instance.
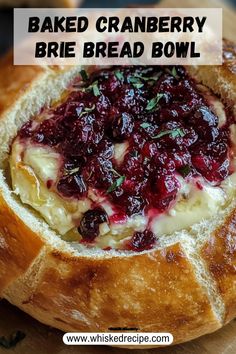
[117, 196]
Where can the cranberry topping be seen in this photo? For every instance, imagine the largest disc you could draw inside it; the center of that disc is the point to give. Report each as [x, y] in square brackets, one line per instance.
[170, 130]
[89, 224]
[50, 132]
[26, 130]
[122, 127]
[142, 241]
[72, 185]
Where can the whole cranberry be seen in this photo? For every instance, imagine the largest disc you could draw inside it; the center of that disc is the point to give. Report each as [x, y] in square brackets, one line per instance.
[74, 163]
[166, 185]
[122, 126]
[179, 134]
[110, 84]
[105, 148]
[149, 149]
[103, 105]
[207, 116]
[134, 205]
[133, 168]
[50, 132]
[72, 186]
[130, 100]
[97, 172]
[205, 123]
[190, 136]
[164, 161]
[142, 240]
[87, 130]
[89, 224]
[181, 157]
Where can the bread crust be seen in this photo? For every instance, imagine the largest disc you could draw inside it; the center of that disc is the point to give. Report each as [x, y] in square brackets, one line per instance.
[219, 253]
[221, 79]
[17, 248]
[229, 56]
[15, 81]
[157, 291]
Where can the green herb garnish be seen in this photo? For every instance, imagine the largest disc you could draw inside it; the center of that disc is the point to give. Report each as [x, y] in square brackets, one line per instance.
[153, 103]
[174, 73]
[185, 170]
[96, 90]
[84, 75]
[119, 75]
[93, 87]
[138, 85]
[146, 70]
[145, 125]
[135, 81]
[72, 171]
[144, 78]
[86, 110]
[14, 338]
[134, 153]
[175, 133]
[118, 182]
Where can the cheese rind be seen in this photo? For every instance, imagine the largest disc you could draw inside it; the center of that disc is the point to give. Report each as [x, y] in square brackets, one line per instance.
[28, 175]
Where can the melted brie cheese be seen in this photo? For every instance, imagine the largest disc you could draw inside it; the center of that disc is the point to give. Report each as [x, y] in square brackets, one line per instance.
[27, 173]
[120, 151]
[193, 207]
[32, 166]
[45, 162]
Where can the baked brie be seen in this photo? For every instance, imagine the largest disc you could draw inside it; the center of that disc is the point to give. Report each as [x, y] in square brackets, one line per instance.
[130, 154]
[117, 196]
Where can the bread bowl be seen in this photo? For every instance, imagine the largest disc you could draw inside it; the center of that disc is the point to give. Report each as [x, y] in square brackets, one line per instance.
[182, 282]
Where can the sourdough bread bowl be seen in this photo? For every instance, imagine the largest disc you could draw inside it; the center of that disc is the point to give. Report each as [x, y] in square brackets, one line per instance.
[183, 283]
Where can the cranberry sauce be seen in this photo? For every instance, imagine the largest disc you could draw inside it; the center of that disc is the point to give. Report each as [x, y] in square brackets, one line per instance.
[168, 125]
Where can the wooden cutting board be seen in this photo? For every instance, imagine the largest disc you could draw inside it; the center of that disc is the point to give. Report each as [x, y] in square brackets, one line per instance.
[41, 339]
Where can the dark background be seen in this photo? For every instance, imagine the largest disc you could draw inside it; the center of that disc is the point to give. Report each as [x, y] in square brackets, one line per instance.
[6, 17]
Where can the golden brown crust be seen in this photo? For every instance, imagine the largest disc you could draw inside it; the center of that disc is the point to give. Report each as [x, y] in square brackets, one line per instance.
[15, 81]
[221, 79]
[155, 292]
[219, 253]
[18, 245]
[229, 56]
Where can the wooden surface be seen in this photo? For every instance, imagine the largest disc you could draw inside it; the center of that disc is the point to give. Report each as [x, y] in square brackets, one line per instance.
[43, 340]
